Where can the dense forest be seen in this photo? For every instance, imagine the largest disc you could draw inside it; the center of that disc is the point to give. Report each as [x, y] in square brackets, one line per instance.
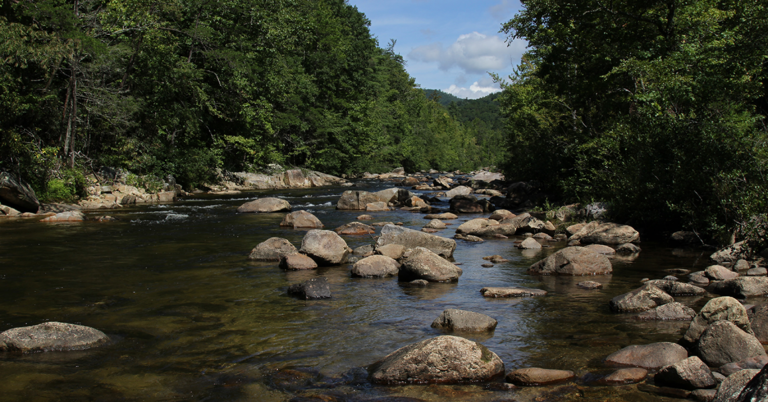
[656, 107]
[189, 88]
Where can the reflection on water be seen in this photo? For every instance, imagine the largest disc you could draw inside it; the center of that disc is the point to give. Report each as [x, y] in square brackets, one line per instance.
[191, 318]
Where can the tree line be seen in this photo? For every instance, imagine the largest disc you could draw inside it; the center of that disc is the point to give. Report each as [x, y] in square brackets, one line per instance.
[657, 107]
[187, 88]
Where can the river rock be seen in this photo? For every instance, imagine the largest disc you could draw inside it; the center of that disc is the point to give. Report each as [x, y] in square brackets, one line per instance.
[263, 205]
[720, 273]
[443, 181]
[356, 200]
[376, 266]
[756, 389]
[17, 194]
[394, 251]
[442, 360]
[409, 182]
[573, 229]
[606, 233]
[296, 262]
[741, 265]
[466, 204]
[355, 229]
[446, 216]
[573, 261]
[742, 287]
[757, 362]
[601, 249]
[590, 285]
[69, 216]
[759, 271]
[718, 309]
[365, 218]
[410, 238]
[511, 292]
[501, 214]
[732, 386]
[469, 238]
[435, 224]
[464, 321]
[10, 212]
[643, 298]
[301, 219]
[51, 336]
[460, 190]
[759, 323]
[377, 207]
[271, 249]
[529, 244]
[625, 376]
[534, 376]
[476, 226]
[315, 288]
[422, 263]
[525, 223]
[730, 254]
[723, 342]
[652, 356]
[325, 247]
[668, 312]
[487, 176]
[690, 373]
[627, 249]
[676, 288]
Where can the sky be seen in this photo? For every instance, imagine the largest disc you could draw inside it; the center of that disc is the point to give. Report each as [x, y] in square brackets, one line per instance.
[449, 45]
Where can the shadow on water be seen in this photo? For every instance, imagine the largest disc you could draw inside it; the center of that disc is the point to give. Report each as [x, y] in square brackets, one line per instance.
[192, 319]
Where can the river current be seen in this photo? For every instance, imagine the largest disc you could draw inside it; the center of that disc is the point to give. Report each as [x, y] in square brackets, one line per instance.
[191, 318]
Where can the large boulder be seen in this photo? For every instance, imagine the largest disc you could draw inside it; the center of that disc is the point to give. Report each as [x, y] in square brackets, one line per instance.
[376, 266]
[720, 273]
[271, 249]
[606, 233]
[464, 321]
[723, 342]
[325, 247]
[573, 261]
[442, 360]
[424, 264]
[261, 205]
[731, 388]
[643, 298]
[51, 336]
[742, 287]
[730, 254]
[690, 373]
[718, 309]
[652, 357]
[409, 238]
[17, 194]
[301, 219]
[534, 376]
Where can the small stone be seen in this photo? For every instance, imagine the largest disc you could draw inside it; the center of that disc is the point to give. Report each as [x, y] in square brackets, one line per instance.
[487, 265]
[741, 265]
[590, 285]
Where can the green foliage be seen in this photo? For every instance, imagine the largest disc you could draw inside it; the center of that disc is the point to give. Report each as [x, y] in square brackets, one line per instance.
[657, 108]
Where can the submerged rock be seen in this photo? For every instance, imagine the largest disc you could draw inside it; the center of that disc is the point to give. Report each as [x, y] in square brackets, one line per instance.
[51, 336]
[69, 216]
[538, 376]
[315, 288]
[625, 376]
[296, 262]
[442, 360]
[464, 321]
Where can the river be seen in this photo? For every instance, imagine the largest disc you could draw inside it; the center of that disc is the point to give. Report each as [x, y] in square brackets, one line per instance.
[191, 318]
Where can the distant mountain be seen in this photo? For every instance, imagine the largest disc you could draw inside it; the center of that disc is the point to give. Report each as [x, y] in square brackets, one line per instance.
[467, 110]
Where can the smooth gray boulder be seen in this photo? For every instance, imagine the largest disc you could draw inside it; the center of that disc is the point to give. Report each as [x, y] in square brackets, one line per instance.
[271, 249]
[51, 336]
[652, 356]
[573, 261]
[643, 298]
[742, 287]
[264, 205]
[376, 266]
[718, 309]
[723, 342]
[606, 233]
[409, 238]
[325, 247]
[690, 373]
[442, 360]
[422, 263]
[464, 321]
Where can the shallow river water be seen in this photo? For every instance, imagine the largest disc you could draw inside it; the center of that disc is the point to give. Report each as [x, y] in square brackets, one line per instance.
[191, 318]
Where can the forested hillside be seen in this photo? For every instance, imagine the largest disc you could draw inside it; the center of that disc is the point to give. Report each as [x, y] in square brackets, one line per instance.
[656, 107]
[186, 88]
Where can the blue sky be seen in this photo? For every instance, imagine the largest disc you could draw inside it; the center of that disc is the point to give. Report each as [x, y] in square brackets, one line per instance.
[448, 44]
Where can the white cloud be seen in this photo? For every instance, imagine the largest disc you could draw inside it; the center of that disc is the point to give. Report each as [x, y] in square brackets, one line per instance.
[478, 89]
[474, 53]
